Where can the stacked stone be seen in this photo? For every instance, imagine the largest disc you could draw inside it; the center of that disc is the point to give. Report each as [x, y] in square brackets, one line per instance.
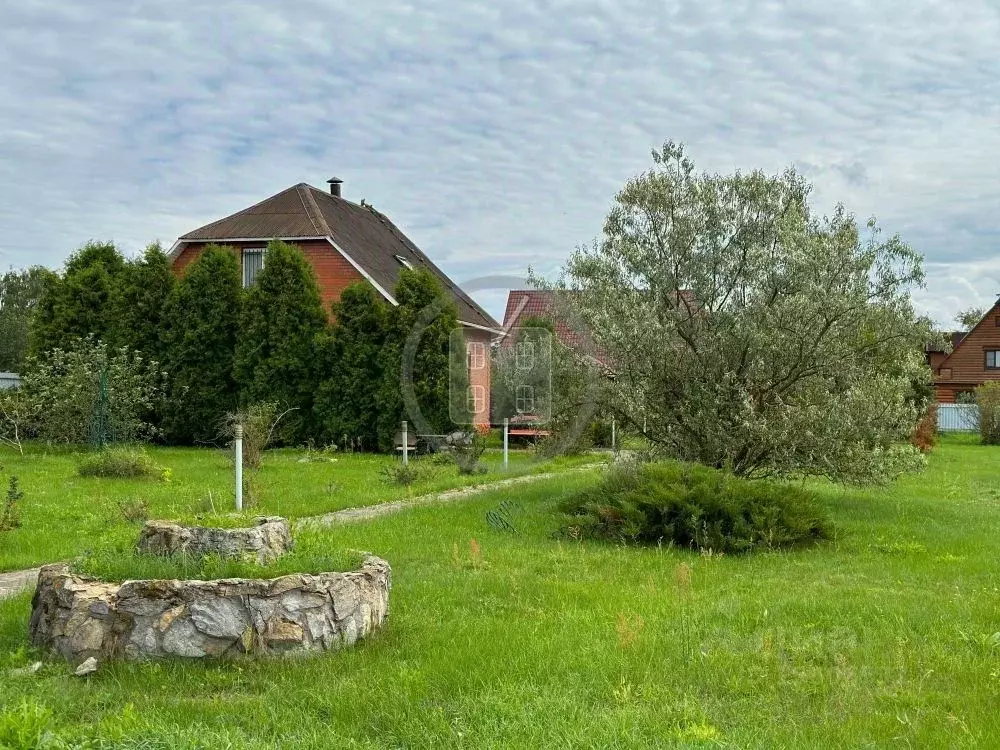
[81, 617]
[89, 621]
[265, 542]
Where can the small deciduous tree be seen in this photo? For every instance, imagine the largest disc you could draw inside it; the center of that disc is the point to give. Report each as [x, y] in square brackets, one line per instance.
[276, 358]
[199, 330]
[969, 319]
[89, 386]
[750, 333]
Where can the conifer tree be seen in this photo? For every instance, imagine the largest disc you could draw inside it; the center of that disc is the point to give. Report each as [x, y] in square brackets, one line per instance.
[347, 400]
[276, 351]
[78, 303]
[199, 330]
[428, 317]
[138, 300]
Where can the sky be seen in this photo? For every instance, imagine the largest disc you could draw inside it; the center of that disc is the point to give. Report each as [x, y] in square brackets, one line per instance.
[495, 134]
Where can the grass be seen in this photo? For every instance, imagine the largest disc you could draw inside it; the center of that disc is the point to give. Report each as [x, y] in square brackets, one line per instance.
[120, 562]
[64, 514]
[885, 635]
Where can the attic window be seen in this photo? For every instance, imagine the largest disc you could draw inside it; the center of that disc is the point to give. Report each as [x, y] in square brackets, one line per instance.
[404, 262]
[993, 359]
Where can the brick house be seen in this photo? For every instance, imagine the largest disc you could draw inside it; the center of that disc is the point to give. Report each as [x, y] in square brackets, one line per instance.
[973, 360]
[345, 243]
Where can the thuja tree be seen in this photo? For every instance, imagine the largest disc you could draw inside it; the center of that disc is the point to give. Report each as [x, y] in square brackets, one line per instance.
[138, 301]
[276, 358]
[199, 327]
[350, 357]
[79, 302]
[420, 370]
[749, 332]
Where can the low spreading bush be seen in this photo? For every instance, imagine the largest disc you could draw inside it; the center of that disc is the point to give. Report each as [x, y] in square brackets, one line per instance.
[121, 462]
[697, 507]
[402, 475]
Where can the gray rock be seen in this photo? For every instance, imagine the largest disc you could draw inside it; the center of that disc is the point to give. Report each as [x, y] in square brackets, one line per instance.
[88, 667]
[26, 671]
[220, 618]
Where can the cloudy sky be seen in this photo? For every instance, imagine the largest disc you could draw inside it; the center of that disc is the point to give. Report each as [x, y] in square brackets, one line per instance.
[495, 133]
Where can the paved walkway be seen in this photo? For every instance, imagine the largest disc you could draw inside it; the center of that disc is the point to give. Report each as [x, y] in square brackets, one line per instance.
[16, 581]
[19, 580]
[367, 513]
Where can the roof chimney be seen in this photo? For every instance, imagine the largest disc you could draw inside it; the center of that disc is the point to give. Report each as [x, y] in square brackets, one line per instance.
[335, 183]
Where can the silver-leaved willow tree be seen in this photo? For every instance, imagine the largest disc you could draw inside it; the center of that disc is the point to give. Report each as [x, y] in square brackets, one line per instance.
[745, 332]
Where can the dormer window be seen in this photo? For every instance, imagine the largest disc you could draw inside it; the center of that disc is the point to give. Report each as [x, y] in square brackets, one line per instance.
[404, 262]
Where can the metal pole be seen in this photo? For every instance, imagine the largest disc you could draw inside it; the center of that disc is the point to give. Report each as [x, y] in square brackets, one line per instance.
[406, 445]
[506, 429]
[239, 466]
[613, 435]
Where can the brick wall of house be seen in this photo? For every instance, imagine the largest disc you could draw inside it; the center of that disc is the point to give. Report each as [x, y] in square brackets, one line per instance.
[333, 272]
[479, 377]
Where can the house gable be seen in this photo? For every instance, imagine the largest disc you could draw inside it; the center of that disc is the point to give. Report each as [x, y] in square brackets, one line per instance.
[965, 367]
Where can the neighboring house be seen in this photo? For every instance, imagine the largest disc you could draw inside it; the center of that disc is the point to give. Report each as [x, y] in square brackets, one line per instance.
[345, 243]
[524, 304]
[9, 380]
[973, 360]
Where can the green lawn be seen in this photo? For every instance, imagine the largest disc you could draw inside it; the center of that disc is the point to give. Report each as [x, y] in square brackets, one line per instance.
[65, 514]
[888, 635]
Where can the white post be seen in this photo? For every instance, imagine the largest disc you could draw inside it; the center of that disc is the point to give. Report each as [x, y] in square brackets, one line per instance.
[406, 445]
[613, 435]
[238, 444]
[506, 429]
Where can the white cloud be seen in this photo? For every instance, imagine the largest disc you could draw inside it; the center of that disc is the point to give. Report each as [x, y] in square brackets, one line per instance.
[495, 133]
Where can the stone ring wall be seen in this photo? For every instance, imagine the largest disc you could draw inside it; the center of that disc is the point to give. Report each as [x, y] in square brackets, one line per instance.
[82, 617]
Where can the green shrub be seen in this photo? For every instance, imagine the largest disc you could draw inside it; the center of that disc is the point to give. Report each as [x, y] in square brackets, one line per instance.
[400, 474]
[988, 399]
[119, 462]
[697, 507]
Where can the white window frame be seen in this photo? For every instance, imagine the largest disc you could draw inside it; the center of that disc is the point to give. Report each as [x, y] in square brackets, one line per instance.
[404, 262]
[524, 355]
[243, 263]
[525, 399]
[476, 399]
[475, 352]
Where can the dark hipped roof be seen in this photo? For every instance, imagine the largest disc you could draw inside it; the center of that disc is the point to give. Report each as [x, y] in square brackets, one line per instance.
[365, 235]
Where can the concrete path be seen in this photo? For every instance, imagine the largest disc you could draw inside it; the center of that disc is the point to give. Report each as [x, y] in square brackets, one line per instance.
[19, 580]
[367, 513]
